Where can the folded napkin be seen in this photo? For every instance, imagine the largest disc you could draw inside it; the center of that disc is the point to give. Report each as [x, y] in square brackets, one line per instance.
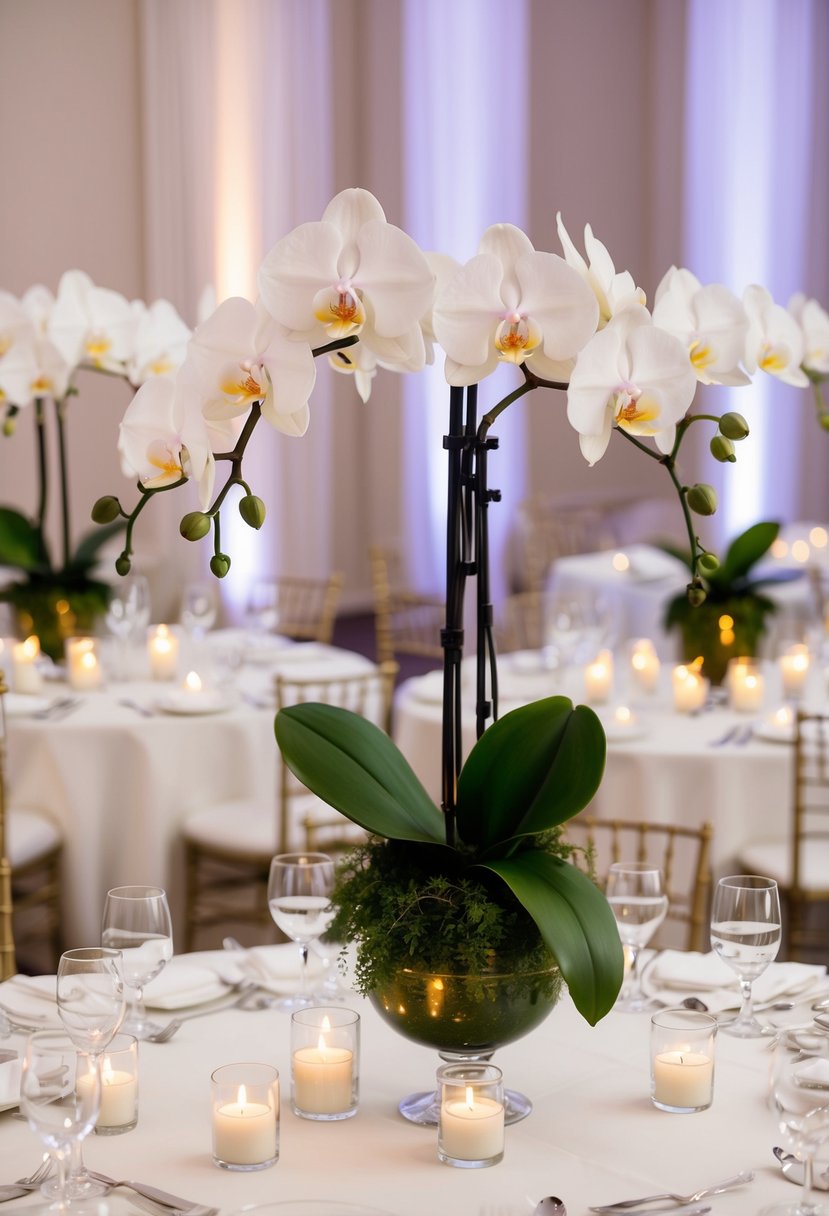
[183, 983]
[31, 999]
[10, 1069]
[675, 974]
[274, 968]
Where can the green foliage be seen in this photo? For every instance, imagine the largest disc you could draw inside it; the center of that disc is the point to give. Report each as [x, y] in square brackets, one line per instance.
[21, 545]
[731, 579]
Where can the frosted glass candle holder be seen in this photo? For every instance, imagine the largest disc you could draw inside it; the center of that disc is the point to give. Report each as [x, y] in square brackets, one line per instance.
[325, 1062]
[84, 672]
[119, 1087]
[471, 1120]
[682, 1060]
[245, 1116]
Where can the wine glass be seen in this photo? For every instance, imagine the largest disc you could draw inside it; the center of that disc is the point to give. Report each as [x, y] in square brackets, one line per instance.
[128, 613]
[198, 608]
[263, 608]
[60, 1095]
[91, 1004]
[299, 897]
[566, 621]
[745, 933]
[636, 894]
[799, 1098]
[137, 922]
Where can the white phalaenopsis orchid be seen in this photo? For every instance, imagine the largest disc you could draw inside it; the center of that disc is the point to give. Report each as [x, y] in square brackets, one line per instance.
[613, 289]
[774, 342]
[631, 375]
[813, 320]
[351, 273]
[32, 368]
[512, 303]
[16, 325]
[709, 320]
[92, 325]
[240, 355]
[160, 343]
[162, 438]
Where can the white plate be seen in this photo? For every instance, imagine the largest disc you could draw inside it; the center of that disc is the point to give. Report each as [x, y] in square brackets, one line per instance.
[190, 704]
[774, 732]
[617, 732]
[23, 705]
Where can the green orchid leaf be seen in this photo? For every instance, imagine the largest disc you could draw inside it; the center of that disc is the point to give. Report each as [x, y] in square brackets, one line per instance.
[531, 770]
[87, 551]
[576, 922]
[354, 766]
[743, 553]
[21, 545]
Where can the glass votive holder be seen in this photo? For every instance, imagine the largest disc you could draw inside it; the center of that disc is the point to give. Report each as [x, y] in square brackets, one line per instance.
[325, 1062]
[162, 652]
[119, 1087]
[745, 684]
[682, 1060]
[245, 1116]
[471, 1121]
[84, 671]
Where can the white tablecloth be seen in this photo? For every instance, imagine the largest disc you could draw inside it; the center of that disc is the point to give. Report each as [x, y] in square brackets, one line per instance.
[593, 1137]
[119, 784]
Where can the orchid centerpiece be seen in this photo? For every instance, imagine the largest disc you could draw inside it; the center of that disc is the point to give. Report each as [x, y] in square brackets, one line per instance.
[357, 289]
[45, 342]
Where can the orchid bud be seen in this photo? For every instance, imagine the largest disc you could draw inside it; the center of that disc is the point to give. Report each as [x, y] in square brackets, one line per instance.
[823, 419]
[194, 525]
[9, 425]
[252, 510]
[702, 499]
[696, 595]
[220, 564]
[722, 449]
[106, 510]
[733, 425]
[708, 564]
[123, 565]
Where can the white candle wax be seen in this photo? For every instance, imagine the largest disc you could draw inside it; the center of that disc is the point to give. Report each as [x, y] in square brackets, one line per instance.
[794, 668]
[323, 1079]
[644, 665]
[83, 670]
[690, 689]
[162, 652]
[244, 1133]
[746, 689]
[472, 1130]
[25, 675]
[683, 1079]
[598, 678]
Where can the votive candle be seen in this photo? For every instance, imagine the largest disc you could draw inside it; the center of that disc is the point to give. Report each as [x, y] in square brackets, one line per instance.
[162, 652]
[245, 1116]
[644, 664]
[690, 689]
[794, 669]
[598, 678]
[25, 674]
[83, 667]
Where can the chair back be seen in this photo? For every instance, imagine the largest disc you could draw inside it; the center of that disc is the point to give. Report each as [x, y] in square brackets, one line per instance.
[307, 607]
[520, 622]
[8, 964]
[368, 694]
[809, 841]
[406, 622]
[552, 529]
[682, 853]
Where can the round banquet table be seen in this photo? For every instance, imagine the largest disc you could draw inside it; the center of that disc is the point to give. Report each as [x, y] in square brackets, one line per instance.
[593, 1136]
[120, 783]
[670, 768]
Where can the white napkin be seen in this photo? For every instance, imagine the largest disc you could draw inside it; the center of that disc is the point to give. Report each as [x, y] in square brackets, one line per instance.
[183, 983]
[32, 999]
[10, 1069]
[277, 967]
[676, 972]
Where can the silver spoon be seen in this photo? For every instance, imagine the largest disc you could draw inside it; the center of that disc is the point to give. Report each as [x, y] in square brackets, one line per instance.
[551, 1206]
[794, 1170]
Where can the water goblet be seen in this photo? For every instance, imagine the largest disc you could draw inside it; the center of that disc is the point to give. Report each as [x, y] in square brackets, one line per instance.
[60, 1095]
[262, 612]
[198, 608]
[637, 897]
[127, 615]
[137, 922]
[745, 933]
[299, 898]
[91, 1004]
[799, 1099]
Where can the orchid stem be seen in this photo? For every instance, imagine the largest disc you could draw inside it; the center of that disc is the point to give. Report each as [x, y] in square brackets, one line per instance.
[60, 413]
[43, 489]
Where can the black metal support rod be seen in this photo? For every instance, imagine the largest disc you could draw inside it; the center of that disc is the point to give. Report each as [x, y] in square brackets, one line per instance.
[485, 706]
[452, 634]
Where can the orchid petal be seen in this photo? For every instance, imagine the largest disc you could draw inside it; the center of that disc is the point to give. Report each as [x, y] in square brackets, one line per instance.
[507, 244]
[297, 267]
[396, 277]
[468, 309]
[557, 298]
[571, 255]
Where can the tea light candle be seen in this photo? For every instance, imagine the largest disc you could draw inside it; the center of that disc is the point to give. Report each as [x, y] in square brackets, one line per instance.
[644, 664]
[162, 652]
[598, 677]
[472, 1129]
[794, 668]
[690, 689]
[624, 718]
[683, 1079]
[323, 1078]
[83, 670]
[244, 1133]
[119, 1095]
[25, 674]
[746, 687]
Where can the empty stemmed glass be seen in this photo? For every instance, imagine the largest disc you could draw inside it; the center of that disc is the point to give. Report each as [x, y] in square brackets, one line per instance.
[299, 898]
[799, 1098]
[262, 611]
[198, 608]
[137, 922]
[60, 1095]
[745, 933]
[636, 894]
[91, 1004]
[127, 615]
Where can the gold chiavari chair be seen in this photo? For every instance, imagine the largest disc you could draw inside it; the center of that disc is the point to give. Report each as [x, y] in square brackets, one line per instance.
[406, 622]
[307, 607]
[228, 847]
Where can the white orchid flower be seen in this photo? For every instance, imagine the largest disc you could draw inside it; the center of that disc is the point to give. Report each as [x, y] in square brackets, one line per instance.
[15, 323]
[710, 321]
[92, 325]
[813, 320]
[351, 273]
[512, 303]
[161, 339]
[443, 267]
[32, 368]
[774, 342]
[358, 361]
[240, 356]
[38, 303]
[631, 375]
[613, 290]
[163, 438]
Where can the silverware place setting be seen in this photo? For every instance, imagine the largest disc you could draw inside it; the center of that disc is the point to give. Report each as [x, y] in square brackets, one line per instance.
[61, 707]
[628, 1205]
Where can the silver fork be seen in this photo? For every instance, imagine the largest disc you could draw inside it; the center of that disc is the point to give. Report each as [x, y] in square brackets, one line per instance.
[15, 1189]
[243, 990]
[174, 1202]
[702, 1193]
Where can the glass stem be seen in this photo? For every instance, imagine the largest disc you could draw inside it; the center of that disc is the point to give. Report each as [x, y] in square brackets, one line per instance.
[60, 1161]
[635, 991]
[303, 969]
[746, 1011]
[807, 1199]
